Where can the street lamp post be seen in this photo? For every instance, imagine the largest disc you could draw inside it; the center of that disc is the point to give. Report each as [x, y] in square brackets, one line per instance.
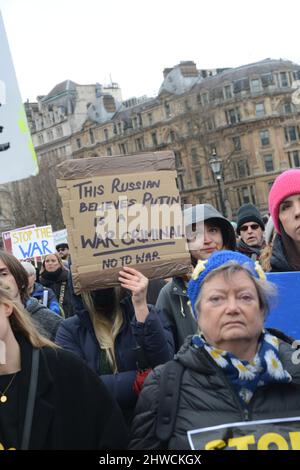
[216, 166]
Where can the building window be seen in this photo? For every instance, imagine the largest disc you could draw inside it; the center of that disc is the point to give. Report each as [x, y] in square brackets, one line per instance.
[259, 109]
[291, 133]
[233, 116]
[245, 193]
[228, 92]
[294, 159]
[154, 139]
[194, 155]
[139, 144]
[255, 85]
[62, 151]
[264, 137]
[41, 139]
[150, 119]
[242, 168]
[123, 148]
[178, 160]
[119, 128]
[198, 98]
[204, 99]
[167, 109]
[179, 183]
[115, 128]
[105, 131]
[134, 122]
[91, 136]
[270, 184]
[268, 160]
[237, 143]
[50, 135]
[287, 108]
[198, 177]
[284, 79]
[172, 137]
[108, 151]
[59, 131]
[210, 124]
[252, 191]
[78, 142]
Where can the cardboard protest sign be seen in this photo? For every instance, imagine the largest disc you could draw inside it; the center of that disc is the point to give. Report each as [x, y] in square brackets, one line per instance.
[285, 314]
[17, 155]
[32, 242]
[6, 237]
[267, 434]
[60, 236]
[122, 211]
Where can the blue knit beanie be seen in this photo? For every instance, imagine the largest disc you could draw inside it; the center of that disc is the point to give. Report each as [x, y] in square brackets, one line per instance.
[217, 259]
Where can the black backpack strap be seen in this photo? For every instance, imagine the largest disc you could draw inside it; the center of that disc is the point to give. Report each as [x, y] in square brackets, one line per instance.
[169, 392]
[31, 398]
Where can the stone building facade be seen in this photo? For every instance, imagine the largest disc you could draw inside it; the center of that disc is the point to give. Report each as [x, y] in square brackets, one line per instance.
[247, 116]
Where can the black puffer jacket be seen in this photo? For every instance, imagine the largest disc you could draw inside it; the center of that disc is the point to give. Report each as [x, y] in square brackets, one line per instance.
[173, 302]
[57, 281]
[207, 399]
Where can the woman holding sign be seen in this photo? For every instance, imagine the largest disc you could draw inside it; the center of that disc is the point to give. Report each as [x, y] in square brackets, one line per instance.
[48, 398]
[119, 335]
[232, 385]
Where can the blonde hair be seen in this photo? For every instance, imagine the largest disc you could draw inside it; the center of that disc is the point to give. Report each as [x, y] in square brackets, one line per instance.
[106, 330]
[21, 322]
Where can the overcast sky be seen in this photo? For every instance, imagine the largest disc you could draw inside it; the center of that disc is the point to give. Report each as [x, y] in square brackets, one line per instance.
[132, 41]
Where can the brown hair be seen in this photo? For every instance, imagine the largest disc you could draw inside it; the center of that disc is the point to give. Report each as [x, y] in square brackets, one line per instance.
[21, 322]
[18, 272]
[57, 257]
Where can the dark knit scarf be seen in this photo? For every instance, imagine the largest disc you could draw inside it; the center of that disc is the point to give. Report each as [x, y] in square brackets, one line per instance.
[52, 276]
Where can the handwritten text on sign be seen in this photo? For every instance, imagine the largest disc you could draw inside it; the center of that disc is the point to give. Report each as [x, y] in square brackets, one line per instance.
[29, 243]
[126, 220]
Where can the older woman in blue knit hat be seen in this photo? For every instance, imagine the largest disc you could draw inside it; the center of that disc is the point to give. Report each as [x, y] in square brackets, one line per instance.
[232, 374]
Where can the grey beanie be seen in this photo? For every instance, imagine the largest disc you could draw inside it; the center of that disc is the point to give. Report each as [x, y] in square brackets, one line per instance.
[205, 213]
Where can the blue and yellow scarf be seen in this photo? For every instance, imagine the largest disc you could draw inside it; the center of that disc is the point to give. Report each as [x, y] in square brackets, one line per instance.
[245, 376]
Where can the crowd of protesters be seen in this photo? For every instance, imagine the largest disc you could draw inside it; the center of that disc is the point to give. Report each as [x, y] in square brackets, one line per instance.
[99, 362]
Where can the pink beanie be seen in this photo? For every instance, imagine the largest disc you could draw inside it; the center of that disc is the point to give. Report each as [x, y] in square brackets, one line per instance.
[286, 184]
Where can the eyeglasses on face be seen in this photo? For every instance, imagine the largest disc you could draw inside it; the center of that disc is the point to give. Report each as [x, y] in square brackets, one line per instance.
[61, 249]
[244, 228]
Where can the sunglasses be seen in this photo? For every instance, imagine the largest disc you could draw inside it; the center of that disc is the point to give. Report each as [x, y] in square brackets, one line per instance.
[244, 228]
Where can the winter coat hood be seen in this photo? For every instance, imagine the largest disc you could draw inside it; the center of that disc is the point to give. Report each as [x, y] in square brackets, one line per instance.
[205, 213]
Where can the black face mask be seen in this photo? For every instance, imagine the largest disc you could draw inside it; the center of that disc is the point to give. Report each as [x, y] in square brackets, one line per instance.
[105, 299]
